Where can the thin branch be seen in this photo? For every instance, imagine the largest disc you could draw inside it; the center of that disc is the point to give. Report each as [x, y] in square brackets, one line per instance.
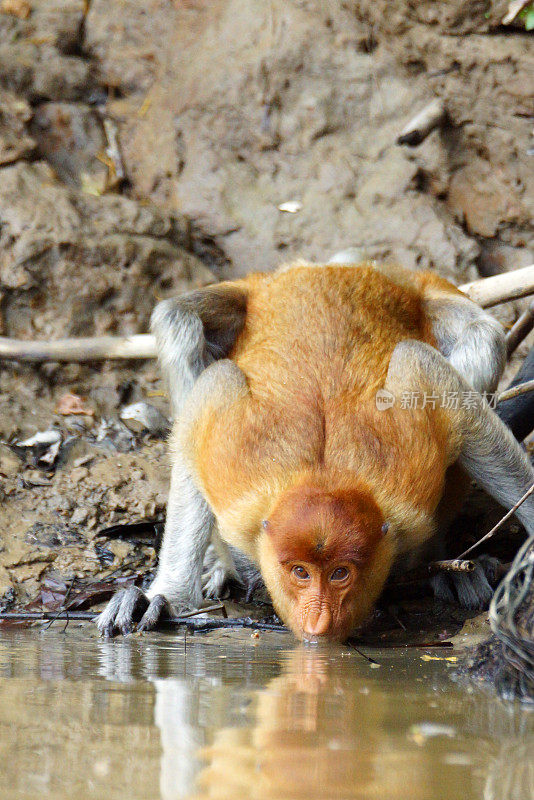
[500, 523]
[64, 606]
[486, 292]
[97, 348]
[189, 620]
[113, 150]
[515, 391]
[451, 565]
[432, 116]
[501, 288]
[520, 329]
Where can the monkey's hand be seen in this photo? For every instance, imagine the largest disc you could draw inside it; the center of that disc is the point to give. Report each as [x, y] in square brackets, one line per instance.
[472, 590]
[128, 609]
[219, 572]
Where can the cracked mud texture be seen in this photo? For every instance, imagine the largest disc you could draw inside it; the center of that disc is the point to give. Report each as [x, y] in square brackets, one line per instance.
[223, 112]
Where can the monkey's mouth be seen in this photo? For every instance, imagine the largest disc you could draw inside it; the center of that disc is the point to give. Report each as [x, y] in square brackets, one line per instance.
[312, 641]
[327, 638]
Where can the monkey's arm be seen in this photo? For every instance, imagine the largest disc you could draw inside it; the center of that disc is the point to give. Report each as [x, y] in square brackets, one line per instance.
[192, 333]
[480, 442]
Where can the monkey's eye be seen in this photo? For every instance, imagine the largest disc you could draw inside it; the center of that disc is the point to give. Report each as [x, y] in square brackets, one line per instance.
[339, 574]
[300, 573]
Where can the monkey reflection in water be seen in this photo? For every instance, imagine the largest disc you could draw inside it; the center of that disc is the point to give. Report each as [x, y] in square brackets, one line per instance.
[284, 448]
[323, 730]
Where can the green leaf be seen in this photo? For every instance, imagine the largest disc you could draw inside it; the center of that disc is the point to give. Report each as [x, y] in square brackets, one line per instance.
[529, 19]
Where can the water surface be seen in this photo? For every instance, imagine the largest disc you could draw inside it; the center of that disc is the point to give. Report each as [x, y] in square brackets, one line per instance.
[229, 716]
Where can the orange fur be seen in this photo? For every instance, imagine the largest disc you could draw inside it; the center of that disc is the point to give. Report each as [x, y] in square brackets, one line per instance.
[306, 448]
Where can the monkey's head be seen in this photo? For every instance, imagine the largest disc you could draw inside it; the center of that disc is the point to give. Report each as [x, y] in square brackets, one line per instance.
[324, 557]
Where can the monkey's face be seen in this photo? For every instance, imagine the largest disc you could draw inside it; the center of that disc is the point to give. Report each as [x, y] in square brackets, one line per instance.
[328, 600]
[324, 560]
[322, 598]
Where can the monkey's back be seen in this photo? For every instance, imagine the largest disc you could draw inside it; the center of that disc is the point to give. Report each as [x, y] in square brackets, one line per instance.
[326, 330]
[315, 349]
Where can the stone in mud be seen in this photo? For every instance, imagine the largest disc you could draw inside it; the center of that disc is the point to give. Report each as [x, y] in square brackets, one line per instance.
[39, 54]
[59, 22]
[10, 464]
[70, 138]
[485, 199]
[15, 114]
[143, 417]
[38, 71]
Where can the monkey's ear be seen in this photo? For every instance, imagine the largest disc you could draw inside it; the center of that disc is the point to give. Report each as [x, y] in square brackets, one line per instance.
[385, 528]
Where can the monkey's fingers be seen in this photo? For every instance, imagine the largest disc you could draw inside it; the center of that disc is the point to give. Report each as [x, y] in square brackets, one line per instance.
[216, 582]
[119, 613]
[106, 620]
[253, 585]
[152, 615]
[133, 598]
[472, 590]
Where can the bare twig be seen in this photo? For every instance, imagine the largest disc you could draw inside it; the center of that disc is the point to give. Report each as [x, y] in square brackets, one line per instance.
[189, 619]
[90, 615]
[521, 329]
[486, 292]
[419, 575]
[113, 150]
[515, 391]
[500, 523]
[451, 565]
[205, 610]
[419, 127]
[367, 658]
[501, 288]
[64, 606]
[96, 348]
[52, 616]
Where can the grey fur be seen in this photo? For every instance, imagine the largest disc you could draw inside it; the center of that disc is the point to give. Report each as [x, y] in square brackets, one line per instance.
[190, 524]
[471, 589]
[153, 613]
[488, 451]
[469, 338]
[182, 349]
[191, 332]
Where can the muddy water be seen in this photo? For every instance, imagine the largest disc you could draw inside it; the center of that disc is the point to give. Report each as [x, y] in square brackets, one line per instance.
[231, 716]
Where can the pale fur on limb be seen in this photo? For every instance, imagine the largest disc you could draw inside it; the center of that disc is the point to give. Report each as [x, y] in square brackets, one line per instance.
[488, 452]
[194, 333]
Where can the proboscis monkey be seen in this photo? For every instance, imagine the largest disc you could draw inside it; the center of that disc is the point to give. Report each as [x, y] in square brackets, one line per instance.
[282, 448]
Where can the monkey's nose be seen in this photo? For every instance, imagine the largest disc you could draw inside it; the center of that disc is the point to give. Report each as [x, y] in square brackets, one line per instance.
[317, 622]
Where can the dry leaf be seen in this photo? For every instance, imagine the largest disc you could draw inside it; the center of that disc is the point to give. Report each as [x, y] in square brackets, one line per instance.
[291, 207]
[73, 404]
[439, 658]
